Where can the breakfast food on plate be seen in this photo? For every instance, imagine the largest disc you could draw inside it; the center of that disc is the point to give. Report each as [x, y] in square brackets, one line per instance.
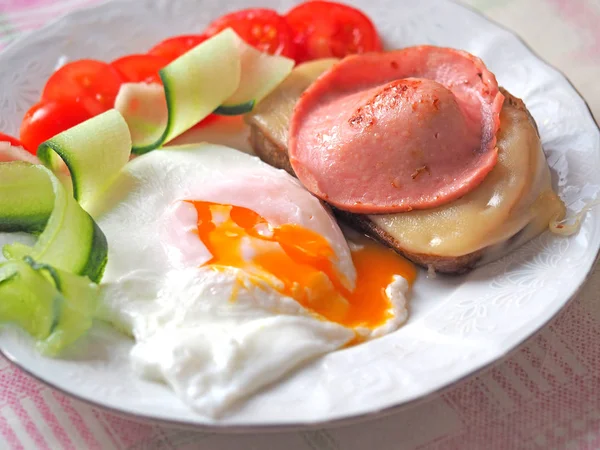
[419, 148]
[230, 273]
[227, 272]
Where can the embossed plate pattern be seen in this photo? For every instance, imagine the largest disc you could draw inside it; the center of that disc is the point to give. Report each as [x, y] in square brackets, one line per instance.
[457, 325]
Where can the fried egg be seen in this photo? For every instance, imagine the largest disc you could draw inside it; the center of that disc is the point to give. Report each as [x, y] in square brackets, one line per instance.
[229, 274]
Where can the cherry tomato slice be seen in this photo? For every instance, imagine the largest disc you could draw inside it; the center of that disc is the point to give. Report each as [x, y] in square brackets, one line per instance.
[325, 29]
[94, 84]
[206, 121]
[11, 140]
[136, 68]
[48, 118]
[174, 47]
[262, 28]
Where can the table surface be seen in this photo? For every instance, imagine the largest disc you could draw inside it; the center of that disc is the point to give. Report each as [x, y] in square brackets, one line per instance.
[545, 395]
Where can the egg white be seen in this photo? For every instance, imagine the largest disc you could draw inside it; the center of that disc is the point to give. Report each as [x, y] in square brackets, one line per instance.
[214, 336]
[211, 345]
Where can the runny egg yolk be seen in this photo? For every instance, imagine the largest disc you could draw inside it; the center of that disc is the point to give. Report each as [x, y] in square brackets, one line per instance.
[302, 263]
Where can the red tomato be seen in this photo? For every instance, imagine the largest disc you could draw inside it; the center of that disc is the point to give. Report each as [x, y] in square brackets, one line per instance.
[92, 83]
[326, 29]
[11, 140]
[262, 28]
[174, 47]
[207, 120]
[136, 68]
[48, 118]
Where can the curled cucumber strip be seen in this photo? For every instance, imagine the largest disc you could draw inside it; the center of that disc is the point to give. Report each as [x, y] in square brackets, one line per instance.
[222, 75]
[70, 239]
[94, 152]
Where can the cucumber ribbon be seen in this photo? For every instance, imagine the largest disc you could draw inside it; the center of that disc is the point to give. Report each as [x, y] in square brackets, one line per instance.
[48, 289]
[54, 306]
[222, 75]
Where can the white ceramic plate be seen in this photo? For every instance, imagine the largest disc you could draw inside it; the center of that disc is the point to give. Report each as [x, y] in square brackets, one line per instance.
[457, 325]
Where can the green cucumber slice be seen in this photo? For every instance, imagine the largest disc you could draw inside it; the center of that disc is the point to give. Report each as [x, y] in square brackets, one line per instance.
[25, 203]
[236, 110]
[28, 299]
[53, 306]
[74, 309]
[261, 73]
[70, 241]
[223, 75]
[194, 85]
[94, 151]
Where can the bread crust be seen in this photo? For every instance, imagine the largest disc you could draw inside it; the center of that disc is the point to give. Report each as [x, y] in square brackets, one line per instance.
[268, 151]
[276, 156]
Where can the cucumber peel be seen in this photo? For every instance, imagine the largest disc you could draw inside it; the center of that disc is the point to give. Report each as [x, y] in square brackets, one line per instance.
[235, 110]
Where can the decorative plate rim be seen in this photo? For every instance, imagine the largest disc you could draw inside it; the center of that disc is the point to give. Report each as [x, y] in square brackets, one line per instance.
[217, 427]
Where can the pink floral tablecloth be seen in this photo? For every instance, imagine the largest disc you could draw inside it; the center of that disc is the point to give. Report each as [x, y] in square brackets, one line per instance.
[546, 395]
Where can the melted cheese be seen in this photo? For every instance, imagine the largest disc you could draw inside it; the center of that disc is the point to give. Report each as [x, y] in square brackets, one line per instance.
[514, 203]
[516, 196]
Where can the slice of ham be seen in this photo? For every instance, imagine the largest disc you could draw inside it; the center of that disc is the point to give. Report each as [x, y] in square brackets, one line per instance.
[392, 132]
[10, 153]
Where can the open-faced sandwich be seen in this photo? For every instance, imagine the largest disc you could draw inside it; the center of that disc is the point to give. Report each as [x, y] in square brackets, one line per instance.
[419, 148]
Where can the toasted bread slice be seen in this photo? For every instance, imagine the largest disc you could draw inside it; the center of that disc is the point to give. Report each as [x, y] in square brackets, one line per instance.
[528, 208]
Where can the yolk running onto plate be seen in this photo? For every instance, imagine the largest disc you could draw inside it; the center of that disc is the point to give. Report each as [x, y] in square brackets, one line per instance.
[299, 263]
